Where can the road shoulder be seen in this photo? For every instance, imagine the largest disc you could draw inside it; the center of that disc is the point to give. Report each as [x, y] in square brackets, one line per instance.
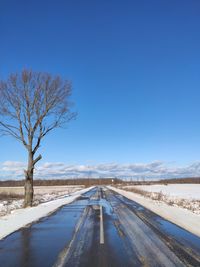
[181, 217]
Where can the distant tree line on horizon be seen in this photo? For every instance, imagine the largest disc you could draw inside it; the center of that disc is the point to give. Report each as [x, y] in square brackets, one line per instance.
[190, 180]
[99, 181]
[54, 182]
[187, 180]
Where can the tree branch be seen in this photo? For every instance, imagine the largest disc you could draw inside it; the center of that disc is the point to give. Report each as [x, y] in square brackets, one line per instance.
[37, 159]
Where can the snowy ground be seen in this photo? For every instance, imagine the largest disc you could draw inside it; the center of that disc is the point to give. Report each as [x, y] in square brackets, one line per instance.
[186, 191]
[22, 217]
[41, 194]
[186, 196]
[180, 216]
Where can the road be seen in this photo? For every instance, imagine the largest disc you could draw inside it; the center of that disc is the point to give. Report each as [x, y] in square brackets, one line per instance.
[101, 228]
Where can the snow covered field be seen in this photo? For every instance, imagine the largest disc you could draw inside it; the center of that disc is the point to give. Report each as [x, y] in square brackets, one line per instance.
[22, 217]
[185, 196]
[41, 194]
[186, 191]
[182, 217]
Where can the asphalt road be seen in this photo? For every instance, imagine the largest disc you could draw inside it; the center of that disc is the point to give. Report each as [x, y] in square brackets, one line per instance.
[100, 229]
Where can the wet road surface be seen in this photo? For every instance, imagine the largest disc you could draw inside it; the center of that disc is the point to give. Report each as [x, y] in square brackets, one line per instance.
[102, 228]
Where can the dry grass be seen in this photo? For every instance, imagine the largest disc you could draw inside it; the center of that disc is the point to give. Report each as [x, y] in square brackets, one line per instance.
[40, 190]
[10, 196]
[12, 190]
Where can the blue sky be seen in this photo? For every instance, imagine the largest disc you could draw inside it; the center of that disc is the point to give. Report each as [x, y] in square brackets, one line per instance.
[134, 66]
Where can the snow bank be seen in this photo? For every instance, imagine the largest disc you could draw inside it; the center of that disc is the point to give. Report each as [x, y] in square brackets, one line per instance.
[22, 217]
[184, 218]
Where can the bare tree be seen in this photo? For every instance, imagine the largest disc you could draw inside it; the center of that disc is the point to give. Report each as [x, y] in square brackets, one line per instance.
[31, 105]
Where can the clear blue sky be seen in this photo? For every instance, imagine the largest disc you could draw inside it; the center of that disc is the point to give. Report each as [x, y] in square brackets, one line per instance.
[135, 68]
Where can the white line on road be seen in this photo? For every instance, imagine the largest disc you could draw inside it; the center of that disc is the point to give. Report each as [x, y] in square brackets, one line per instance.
[101, 226]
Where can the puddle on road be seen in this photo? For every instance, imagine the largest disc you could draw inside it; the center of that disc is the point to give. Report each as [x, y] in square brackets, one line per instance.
[106, 205]
[140, 208]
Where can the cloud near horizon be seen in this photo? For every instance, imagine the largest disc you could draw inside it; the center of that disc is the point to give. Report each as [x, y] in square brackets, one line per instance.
[136, 171]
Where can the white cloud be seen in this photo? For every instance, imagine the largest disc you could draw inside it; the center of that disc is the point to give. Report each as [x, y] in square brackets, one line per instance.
[53, 170]
[12, 168]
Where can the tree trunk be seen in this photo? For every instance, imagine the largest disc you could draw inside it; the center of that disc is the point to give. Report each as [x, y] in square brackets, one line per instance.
[28, 186]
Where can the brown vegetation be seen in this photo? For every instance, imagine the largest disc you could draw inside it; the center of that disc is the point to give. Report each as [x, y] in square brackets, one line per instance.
[84, 181]
[10, 196]
[189, 180]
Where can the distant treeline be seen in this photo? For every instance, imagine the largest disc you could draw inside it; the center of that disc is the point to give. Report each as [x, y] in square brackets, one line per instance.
[54, 182]
[102, 181]
[192, 180]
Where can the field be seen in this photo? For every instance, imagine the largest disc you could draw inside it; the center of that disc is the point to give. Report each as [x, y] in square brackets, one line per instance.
[182, 195]
[40, 190]
[11, 198]
[186, 191]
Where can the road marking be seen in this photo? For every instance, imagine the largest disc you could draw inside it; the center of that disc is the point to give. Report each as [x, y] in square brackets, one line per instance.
[101, 226]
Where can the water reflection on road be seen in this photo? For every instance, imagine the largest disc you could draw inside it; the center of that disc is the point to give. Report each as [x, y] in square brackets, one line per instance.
[133, 235]
[39, 244]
